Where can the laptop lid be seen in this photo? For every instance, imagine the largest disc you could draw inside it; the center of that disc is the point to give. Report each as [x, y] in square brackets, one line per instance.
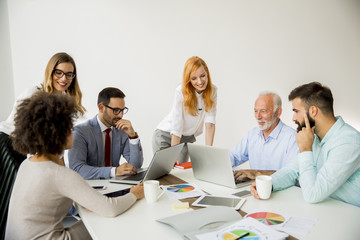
[213, 165]
[162, 163]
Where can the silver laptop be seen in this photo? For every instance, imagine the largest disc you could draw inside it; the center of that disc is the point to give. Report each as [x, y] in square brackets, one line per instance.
[162, 163]
[213, 165]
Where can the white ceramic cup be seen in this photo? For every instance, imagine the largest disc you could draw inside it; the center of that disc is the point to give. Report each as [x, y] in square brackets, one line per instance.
[152, 191]
[264, 186]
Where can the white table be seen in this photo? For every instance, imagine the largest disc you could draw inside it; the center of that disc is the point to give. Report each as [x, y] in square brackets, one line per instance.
[336, 220]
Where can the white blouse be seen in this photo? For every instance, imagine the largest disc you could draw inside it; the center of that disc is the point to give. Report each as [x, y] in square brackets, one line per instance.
[181, 123]
[7, 126]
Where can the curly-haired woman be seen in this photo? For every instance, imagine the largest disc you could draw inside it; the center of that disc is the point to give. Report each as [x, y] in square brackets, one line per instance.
[44, 190]
[194, 103]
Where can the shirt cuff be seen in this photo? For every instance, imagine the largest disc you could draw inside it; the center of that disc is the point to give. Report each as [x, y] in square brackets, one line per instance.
[134, 141]
[210, 119]
[305, 160]
[175, 133]
[112, 172]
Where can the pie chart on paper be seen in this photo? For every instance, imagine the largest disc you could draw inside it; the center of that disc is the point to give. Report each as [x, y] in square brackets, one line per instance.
[235, 234]
[268, 218]
[180, 188]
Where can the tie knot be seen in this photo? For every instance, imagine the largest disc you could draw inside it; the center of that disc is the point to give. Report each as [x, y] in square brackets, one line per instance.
[108, 130]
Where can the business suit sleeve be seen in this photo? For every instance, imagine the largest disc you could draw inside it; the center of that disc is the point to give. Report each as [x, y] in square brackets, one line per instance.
[132, 152]
[83, 156]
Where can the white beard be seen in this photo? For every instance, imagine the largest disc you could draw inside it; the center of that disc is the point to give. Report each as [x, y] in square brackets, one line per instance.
[267, 124]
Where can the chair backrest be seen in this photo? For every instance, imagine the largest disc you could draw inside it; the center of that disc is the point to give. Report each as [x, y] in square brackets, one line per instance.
[9, 165]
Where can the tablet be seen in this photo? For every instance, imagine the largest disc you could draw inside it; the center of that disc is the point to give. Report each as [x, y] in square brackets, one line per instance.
[228, 201]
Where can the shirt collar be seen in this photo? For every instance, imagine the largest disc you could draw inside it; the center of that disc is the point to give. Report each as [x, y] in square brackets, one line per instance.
[101, 125]
[275, 133]
[337, 125]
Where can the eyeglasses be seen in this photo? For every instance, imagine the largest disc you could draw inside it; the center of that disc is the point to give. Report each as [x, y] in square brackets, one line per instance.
[59, 74]
[117, 111]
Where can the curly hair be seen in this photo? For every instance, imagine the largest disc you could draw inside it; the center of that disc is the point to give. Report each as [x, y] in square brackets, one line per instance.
[43, 122]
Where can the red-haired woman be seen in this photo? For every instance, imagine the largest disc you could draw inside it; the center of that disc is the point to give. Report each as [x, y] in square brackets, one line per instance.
[194, 105]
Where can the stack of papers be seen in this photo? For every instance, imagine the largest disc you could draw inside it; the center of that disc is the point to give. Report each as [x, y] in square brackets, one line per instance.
[247, 228]
[220, 223]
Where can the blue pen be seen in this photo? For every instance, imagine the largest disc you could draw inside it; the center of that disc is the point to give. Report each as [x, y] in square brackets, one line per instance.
[244, 234]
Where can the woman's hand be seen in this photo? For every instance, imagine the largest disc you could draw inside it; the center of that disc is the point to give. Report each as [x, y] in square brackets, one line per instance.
[138, 191]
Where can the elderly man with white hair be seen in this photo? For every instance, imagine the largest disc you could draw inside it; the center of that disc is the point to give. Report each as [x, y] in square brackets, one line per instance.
[268, 147]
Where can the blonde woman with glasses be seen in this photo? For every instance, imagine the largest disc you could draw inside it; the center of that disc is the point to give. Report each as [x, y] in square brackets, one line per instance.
[60, 77]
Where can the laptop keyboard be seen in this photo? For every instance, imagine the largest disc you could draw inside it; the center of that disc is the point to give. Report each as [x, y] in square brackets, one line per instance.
[136, 177]
[242, 180]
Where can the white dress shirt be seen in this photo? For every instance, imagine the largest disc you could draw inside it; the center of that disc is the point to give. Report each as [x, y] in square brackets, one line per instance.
[180, 123]
[103, 128]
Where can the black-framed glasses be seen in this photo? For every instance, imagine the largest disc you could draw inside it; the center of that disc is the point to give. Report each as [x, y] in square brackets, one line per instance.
[59, 74]
[117, 111]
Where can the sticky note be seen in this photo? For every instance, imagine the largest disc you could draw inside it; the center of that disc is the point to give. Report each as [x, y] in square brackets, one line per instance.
[180, 205]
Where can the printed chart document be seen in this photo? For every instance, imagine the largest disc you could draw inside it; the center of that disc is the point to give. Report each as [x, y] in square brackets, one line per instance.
[284, 222]
[181, 191]
[248, 228]
[201, 221]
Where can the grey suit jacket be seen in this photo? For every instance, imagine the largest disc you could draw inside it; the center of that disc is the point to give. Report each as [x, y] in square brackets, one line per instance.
[87, 154]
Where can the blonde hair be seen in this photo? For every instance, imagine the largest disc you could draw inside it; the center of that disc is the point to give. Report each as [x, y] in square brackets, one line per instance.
[73, 90]
[190, 100]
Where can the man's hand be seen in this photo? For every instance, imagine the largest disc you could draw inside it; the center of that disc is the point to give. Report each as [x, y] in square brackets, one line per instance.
[254, 191]
[126, 126]
[243, 175]
[138, 191]
[305, 137]
[125, 168]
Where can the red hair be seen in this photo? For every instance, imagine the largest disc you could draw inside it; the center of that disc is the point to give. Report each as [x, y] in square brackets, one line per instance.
[190, 100]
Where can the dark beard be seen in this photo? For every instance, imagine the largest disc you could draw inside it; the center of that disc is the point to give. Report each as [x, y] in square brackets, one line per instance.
[302, 125]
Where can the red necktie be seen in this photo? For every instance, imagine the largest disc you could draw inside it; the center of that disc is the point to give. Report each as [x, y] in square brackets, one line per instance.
[107, 147]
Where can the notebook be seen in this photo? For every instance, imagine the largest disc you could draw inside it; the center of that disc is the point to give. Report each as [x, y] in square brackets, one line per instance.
[213, 165]
[162, 163]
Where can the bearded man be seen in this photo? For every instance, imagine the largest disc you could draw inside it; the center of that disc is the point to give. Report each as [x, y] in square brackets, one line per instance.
[270, 146]
[328, 164]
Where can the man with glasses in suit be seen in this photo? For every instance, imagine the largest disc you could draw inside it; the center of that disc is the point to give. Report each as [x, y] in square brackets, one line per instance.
[100, 142]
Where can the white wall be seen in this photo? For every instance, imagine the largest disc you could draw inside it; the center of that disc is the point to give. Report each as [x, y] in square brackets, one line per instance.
[141, 46]
[6, 71]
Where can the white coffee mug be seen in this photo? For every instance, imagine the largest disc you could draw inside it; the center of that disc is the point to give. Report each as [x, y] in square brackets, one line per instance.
[264, 186]
[152, 191]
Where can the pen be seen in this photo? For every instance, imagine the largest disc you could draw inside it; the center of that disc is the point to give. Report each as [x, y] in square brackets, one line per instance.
[244, 234]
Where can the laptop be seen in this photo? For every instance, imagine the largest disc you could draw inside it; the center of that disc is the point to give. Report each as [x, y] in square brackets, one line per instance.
[162, 163]
[213, 165]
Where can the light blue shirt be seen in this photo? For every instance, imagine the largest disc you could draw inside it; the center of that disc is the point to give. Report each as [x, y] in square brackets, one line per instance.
[331, 169]
[279, 149]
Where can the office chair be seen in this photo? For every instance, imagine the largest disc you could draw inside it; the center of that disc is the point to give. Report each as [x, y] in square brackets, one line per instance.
[9, 165]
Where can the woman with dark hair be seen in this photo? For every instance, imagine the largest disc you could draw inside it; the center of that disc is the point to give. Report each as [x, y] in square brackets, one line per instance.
[194, 104]
[44, 190]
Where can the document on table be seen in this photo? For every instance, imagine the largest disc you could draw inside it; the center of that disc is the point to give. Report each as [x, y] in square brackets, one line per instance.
[248, 228]
[299, 225]
[181, 191]
[284, 222]
[201, 221]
